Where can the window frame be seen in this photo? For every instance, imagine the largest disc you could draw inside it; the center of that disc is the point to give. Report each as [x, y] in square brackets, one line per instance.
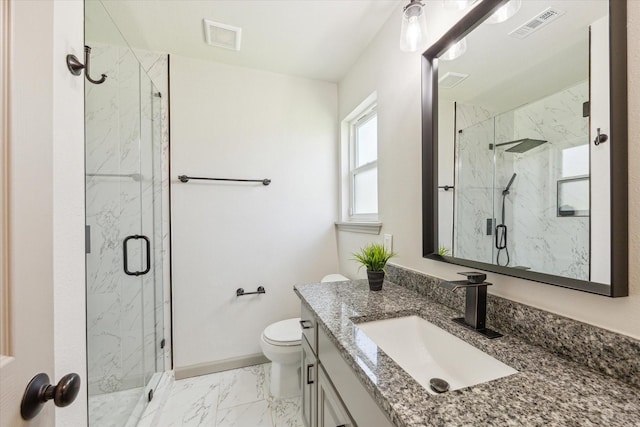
[369, 113]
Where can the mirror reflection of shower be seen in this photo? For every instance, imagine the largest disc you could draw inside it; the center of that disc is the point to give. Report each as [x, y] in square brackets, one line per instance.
[501, 229]
[524, 201]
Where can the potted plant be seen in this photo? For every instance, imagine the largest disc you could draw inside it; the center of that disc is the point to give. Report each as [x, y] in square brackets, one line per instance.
[374, 257]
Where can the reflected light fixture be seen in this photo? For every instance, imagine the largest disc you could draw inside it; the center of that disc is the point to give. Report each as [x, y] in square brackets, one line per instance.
[455, 51]
[414, 27]
[505, 12]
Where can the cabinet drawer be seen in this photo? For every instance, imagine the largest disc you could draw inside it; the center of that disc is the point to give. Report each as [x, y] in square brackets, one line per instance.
[309, 327]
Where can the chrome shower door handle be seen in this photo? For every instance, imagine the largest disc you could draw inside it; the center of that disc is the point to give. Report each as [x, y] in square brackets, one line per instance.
[125, 255]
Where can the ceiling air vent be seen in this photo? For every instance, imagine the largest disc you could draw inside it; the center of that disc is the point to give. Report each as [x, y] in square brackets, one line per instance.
[451, 79]
[222, 35]
[543, 18]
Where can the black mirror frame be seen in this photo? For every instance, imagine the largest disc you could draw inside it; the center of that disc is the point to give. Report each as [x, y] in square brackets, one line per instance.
[619, 148]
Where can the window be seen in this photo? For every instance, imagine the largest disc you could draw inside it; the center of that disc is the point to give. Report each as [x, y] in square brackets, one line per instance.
[573, 187]
[359, 169]
[363, 166]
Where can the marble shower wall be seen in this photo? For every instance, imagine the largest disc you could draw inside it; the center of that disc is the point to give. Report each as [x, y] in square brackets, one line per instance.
[126, 133]
[538, 238]
[542, 240]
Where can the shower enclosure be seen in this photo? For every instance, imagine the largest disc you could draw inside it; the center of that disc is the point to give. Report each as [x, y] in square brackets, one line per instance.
[522, 185]
[125, 130]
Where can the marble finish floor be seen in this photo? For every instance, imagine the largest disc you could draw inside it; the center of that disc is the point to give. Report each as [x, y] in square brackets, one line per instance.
[235, 398]
[115, 409]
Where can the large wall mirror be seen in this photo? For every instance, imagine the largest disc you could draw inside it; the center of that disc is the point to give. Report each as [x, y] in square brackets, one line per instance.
[525, 143]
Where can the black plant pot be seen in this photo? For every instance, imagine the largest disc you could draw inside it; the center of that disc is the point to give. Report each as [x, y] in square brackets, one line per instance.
[375, 280]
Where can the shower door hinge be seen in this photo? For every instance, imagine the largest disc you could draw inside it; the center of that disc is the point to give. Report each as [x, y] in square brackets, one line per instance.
[163, 342]
[87, 239]
[150, 395]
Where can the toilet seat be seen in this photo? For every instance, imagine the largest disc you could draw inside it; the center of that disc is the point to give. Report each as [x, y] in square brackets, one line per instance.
[283, 333]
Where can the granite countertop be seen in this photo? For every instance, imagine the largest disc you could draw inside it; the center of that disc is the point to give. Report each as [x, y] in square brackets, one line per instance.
[547, 390]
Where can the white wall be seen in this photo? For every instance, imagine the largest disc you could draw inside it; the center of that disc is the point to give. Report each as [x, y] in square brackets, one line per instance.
[234, 122]
[396, 78]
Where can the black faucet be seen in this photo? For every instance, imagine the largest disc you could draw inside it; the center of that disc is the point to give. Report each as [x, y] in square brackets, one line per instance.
[475, 311]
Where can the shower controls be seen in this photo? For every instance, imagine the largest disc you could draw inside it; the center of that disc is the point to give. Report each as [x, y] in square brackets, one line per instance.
[491, 224]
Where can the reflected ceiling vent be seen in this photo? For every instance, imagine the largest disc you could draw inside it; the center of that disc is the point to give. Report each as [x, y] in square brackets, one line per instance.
[545, 17]
[451, 79]
[222, 35]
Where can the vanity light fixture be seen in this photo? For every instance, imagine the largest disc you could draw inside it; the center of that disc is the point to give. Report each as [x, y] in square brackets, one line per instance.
[505, 12]
[455, 51]
[414, 27]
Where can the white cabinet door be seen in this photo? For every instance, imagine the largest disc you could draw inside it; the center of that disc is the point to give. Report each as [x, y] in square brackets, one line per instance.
[309, 384]
[331, 411]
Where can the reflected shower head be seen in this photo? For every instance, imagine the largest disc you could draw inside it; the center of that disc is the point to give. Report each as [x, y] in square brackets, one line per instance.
[523, 145]
[510, 182]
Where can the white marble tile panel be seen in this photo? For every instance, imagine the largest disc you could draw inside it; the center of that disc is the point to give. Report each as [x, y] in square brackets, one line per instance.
[113, 409]
[240, 386]
[192, 402]
[255, 414]
[286, 412]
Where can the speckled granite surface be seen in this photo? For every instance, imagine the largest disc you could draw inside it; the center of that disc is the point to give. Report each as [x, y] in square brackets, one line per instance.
[605, 351]
[547, 390]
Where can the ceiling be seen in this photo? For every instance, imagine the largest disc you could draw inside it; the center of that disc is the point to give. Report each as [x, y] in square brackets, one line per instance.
[505, 72]
[317, 39]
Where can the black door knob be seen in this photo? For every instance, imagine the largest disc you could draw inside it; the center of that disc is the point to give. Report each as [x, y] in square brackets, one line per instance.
[39, 391]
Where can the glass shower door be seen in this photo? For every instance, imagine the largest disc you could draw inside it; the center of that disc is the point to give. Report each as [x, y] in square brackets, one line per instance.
[124, 230]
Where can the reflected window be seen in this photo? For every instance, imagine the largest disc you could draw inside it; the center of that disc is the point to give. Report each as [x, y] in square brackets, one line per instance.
[575, 161]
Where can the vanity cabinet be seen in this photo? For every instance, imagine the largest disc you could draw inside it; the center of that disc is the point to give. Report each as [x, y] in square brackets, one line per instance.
[309, 325]
[309, 384]
[332, 394]
[331, 410]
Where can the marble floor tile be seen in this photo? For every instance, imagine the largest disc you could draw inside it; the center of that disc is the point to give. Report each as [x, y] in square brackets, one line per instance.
[255, 414]
[240, 386]
[235, 398]
[192, 402]
[286, 412]
[113, 409]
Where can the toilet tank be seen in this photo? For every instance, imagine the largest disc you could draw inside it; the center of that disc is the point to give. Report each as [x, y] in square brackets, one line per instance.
[333, 278]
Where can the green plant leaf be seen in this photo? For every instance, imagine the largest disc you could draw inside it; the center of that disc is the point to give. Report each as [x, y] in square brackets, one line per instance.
[373, 256]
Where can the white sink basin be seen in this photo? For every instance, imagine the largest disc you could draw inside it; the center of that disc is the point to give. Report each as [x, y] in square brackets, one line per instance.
[425, 351]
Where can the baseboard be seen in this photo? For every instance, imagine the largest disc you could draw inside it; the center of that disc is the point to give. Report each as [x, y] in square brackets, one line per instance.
[220, 365]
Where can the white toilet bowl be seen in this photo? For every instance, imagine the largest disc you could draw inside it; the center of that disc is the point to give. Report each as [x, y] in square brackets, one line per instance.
[280, 343]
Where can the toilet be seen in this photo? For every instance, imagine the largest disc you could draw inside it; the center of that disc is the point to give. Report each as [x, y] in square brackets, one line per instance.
[281, 343]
